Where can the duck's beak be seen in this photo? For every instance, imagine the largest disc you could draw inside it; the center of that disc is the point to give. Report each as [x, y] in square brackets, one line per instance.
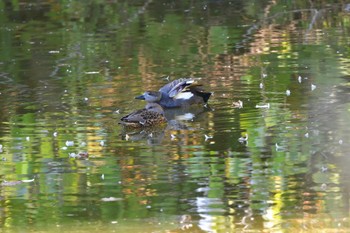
[140, 97]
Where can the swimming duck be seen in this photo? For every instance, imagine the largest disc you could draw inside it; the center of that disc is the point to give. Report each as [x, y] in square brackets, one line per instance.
[151, 115]
[178, 93]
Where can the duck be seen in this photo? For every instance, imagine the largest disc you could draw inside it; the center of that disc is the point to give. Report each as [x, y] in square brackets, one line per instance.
[178, 93]
[151, 115]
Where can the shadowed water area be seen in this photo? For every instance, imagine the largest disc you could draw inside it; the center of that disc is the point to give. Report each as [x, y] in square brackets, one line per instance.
[269, 153]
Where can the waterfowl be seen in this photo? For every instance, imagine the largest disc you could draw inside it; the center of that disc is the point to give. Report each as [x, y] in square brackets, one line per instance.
[151, 115]
[178, 93]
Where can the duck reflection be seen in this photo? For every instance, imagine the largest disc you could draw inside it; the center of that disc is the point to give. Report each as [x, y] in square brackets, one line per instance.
[176, 119]
[153, 135]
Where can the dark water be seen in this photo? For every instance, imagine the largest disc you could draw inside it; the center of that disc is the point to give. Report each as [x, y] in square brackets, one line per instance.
[70, 70]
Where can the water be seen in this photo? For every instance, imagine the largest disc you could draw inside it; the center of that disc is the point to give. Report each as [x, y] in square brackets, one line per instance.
[70, 71]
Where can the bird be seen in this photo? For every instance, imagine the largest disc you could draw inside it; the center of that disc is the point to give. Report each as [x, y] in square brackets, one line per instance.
[178, 93]
[151, 115]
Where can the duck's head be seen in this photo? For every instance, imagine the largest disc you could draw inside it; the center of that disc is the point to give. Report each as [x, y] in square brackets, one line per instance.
[150, 96]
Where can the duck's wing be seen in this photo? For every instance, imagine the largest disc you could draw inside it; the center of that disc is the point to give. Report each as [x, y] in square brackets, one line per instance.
[176, 86]
[180, 87]
[137, 117]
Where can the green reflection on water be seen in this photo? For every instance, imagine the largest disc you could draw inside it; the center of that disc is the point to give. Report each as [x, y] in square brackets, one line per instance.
[70, 70]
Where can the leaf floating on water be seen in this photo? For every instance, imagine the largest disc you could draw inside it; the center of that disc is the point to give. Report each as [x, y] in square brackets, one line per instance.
[108, 199]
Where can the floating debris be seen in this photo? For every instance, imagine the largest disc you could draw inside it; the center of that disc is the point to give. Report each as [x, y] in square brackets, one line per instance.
[69, 143]
[238, 104]
[324, 168]
[80, 155]
[173, 137]
[313, 87]
[261, 85]
[102, 143]
[243, 139]
[263, 105]
[288, 92]
[340, 142]
[117, 111]
[0, 148]
[306, 135]
[92, 72]
[103, 176]
[28, 181]
[108, 199]
[55, 134]
[27, 139]
[54, 51]
[279, 148]
[64, 148]
[299, 79]
[207, 137]
[86, 98]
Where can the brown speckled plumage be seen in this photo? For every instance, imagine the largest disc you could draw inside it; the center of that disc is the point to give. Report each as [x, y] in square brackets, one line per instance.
[151, 115]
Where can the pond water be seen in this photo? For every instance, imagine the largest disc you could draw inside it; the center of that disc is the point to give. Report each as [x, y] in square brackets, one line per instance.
[70, 70]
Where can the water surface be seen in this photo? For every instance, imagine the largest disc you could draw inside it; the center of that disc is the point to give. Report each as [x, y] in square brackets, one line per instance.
[70, 71]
